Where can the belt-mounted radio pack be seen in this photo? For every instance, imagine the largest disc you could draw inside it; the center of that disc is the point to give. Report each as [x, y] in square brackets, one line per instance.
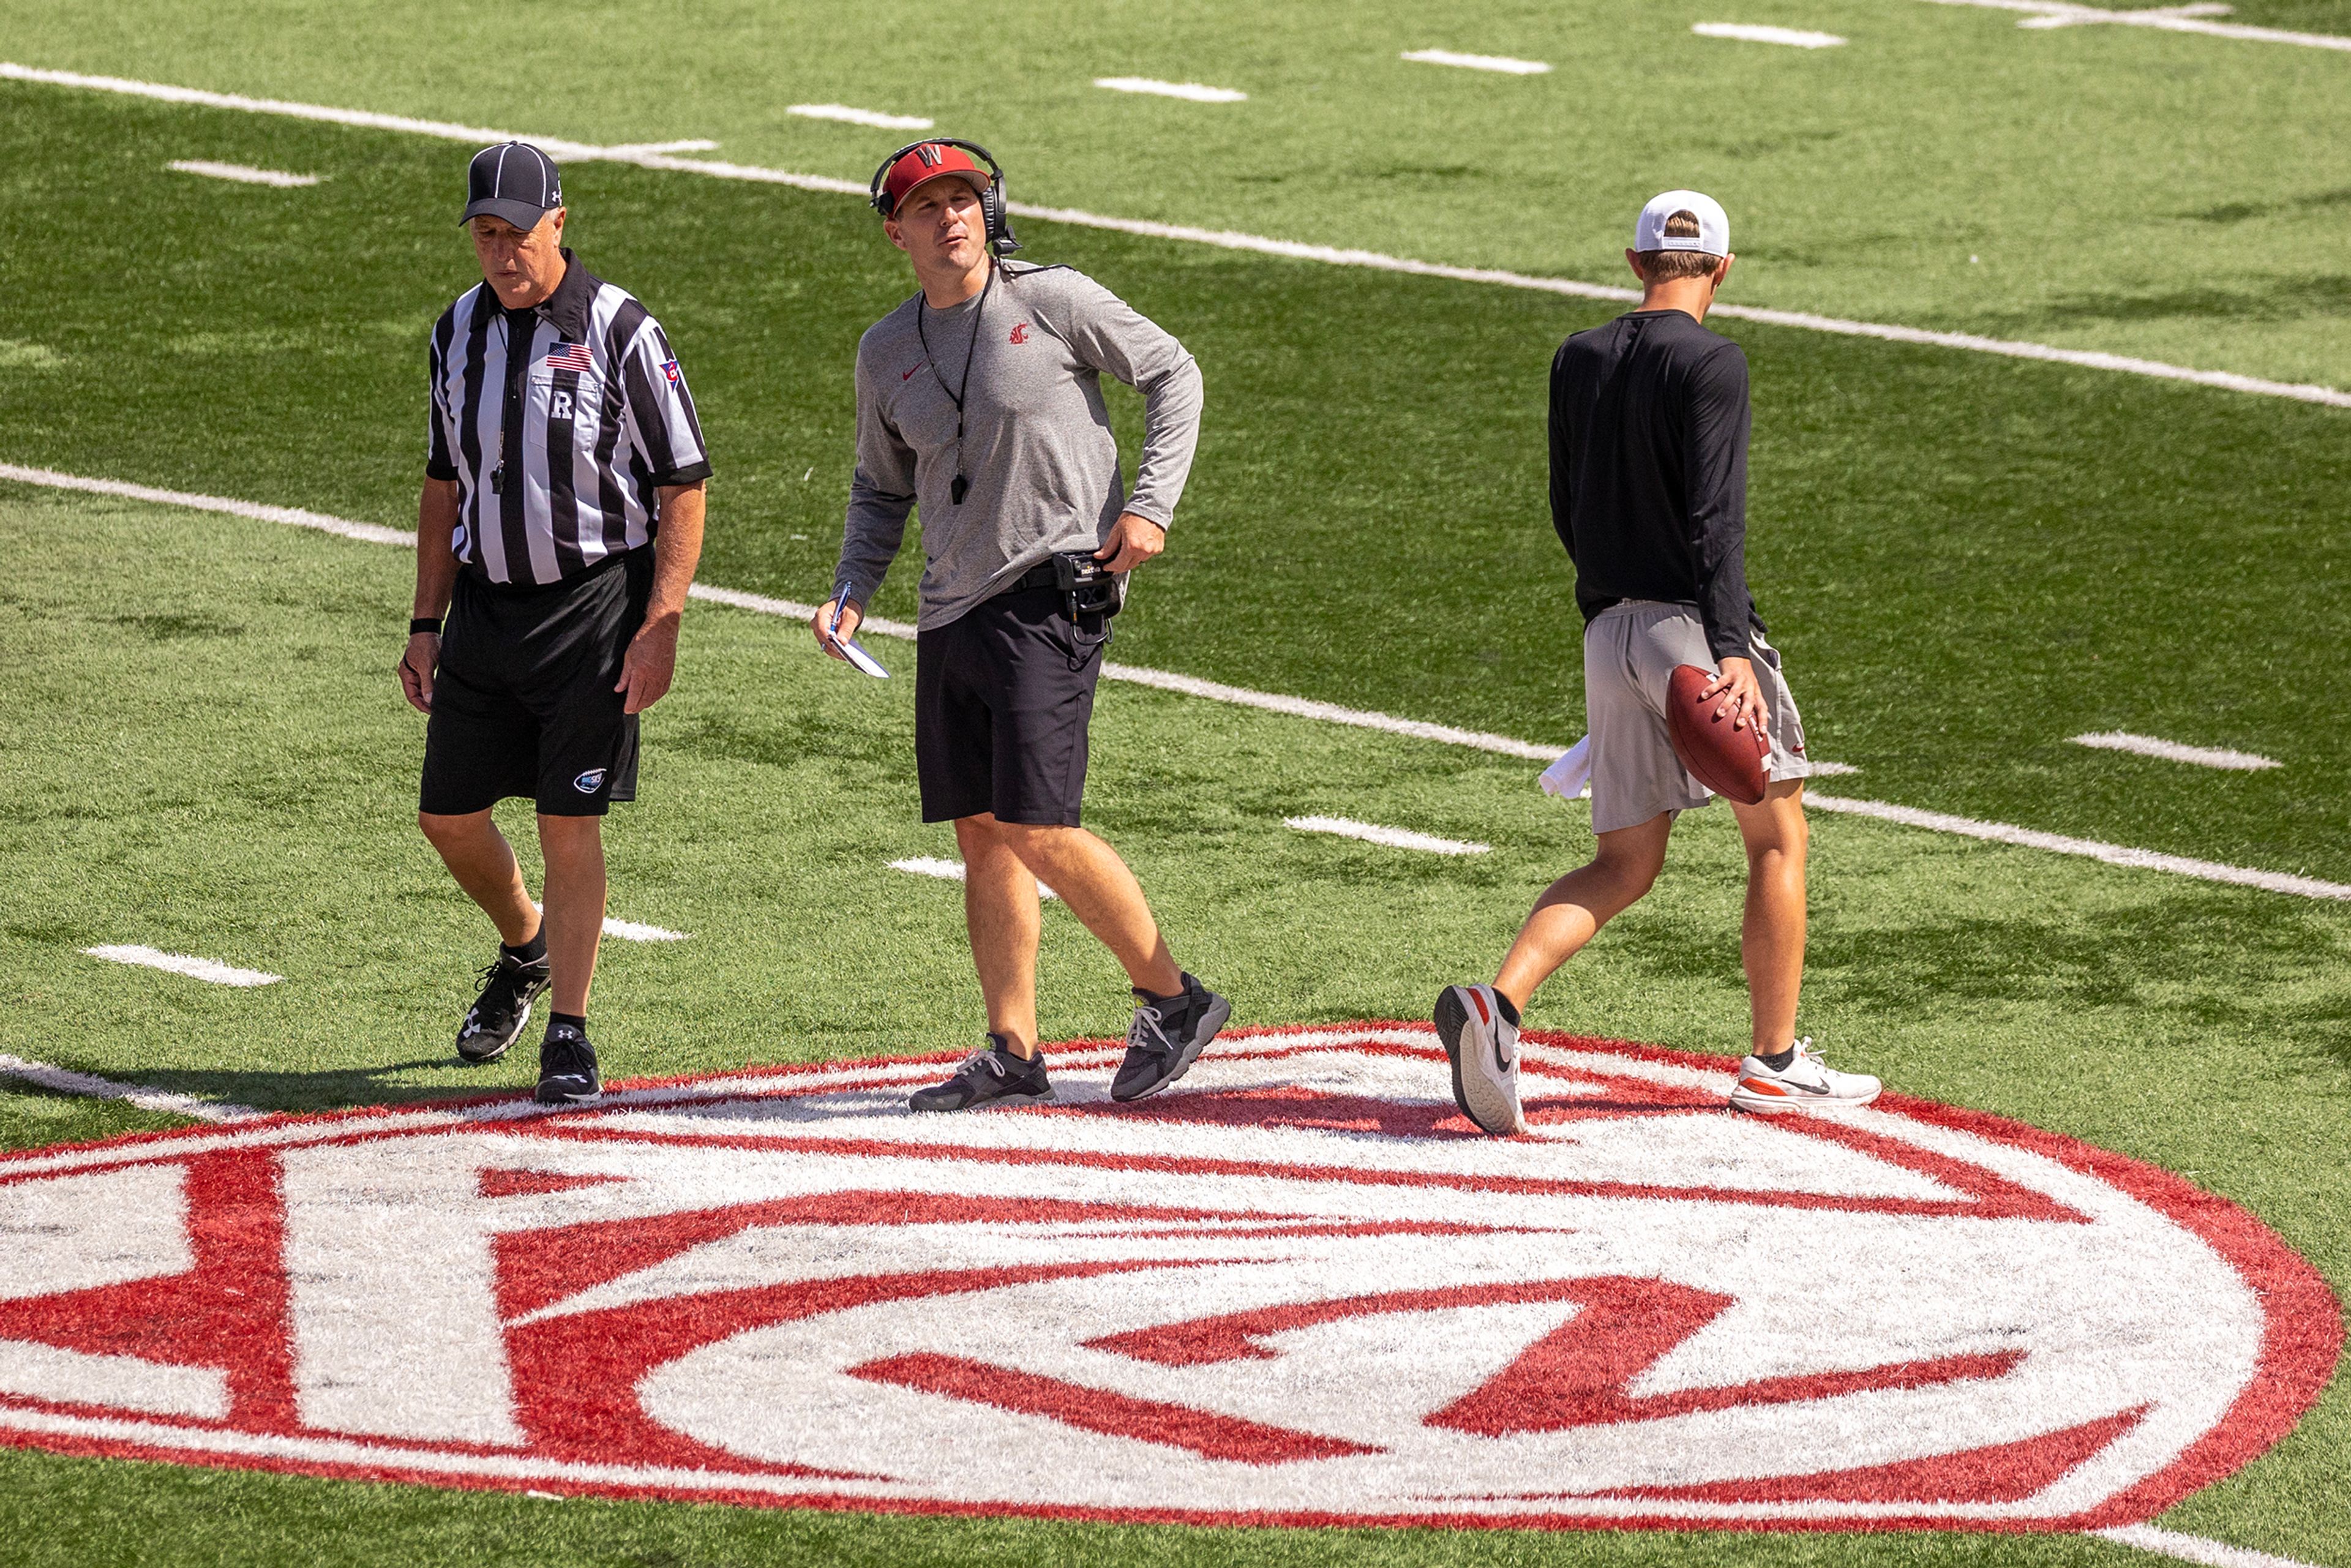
[1086, 588]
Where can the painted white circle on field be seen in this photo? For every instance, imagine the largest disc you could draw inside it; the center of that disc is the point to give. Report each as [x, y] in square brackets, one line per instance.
[1298, 1287]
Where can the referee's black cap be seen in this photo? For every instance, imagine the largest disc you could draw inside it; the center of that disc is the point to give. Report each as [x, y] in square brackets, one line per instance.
[513, 181]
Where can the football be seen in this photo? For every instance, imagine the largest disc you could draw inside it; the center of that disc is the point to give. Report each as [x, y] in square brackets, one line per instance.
[1726, 760]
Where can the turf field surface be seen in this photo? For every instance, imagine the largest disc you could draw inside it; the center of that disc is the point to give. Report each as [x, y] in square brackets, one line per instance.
[2117, 188]
[1312, 1291]
[247, 701]
[1967, 560]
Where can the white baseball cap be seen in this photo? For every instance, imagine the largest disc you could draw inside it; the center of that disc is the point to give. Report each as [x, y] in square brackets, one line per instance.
[1713, 224]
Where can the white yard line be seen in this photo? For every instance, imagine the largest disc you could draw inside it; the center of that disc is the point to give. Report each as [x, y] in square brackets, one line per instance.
[2227, 381]
[690, 144]
[64, 1081]
[2090, 849]
[1393, 838]
[1190, 91]
[1502, 63]
[633, 931]
[948, 871]
[1329, 712]
[2163, 19]
[210, 970]
[244, 173]
[2193, 1548]
[1794, 37]
[2173, 751]
[1299, 708]
[291, 516]
[637, 931]
[2085, 16]
[872, 117]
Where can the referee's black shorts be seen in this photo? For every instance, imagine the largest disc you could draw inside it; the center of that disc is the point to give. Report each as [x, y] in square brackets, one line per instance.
[524, 705]
[1002, 698]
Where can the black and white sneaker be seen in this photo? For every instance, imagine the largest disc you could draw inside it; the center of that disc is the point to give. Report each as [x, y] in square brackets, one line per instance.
[495, 1020]
[1166, 1037]
[985, 1076]
[567, 1068]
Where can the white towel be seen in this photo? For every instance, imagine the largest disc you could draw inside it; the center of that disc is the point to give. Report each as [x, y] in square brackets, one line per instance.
[1570, 778]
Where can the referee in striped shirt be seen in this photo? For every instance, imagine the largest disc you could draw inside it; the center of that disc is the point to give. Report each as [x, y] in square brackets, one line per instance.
[560, 527]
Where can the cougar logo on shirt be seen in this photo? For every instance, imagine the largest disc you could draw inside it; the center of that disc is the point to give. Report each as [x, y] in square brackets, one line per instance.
[1296, 1287]
[587, 783]
[1020, 333]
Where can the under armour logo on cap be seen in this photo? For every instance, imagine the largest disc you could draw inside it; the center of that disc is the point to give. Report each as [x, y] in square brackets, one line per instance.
[513, 181]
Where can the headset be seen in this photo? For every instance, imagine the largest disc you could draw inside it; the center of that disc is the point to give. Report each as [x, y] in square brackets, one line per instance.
[1000, 238]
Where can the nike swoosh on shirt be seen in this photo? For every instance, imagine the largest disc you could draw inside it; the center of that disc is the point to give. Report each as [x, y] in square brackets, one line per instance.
[908, 375]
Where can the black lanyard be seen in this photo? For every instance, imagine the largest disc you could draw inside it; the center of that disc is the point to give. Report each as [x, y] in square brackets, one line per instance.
[962, 486]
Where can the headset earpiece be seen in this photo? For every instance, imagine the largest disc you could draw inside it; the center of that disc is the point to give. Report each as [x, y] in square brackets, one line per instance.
[1000, 237]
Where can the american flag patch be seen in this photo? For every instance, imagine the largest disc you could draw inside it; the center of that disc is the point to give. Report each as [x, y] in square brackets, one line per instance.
[571, 357]
[669, 369]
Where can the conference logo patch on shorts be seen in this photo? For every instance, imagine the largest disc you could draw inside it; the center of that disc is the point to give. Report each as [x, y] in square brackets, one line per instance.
[1296, 1288]
[587, 783]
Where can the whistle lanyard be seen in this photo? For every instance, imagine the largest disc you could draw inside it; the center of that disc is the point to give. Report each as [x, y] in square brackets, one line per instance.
[962, 486]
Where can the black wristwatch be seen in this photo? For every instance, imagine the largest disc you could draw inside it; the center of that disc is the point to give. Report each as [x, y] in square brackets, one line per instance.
[425, 624]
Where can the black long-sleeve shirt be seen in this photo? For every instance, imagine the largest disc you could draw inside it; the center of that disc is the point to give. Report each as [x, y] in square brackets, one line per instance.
[1649, 420]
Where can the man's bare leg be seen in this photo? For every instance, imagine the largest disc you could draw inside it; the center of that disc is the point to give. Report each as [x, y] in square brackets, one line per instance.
[484, 865]
[1575, 908]
[999, 910]
[573, 848]
[1772, 939]
[1103, 895]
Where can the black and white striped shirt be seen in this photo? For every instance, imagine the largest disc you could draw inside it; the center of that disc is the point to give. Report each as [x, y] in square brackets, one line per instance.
[559, 424]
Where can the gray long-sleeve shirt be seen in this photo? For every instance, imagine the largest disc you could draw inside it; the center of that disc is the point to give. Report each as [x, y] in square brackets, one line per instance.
[1037, 443]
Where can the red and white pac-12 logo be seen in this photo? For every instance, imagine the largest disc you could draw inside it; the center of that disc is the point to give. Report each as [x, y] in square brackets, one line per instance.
[1296, 1288]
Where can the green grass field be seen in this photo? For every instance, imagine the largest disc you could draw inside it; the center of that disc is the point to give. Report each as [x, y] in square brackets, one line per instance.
[2173, 196]
[1968, 561]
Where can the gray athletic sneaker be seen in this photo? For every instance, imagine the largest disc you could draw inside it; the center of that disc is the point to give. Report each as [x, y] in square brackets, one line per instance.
[986, 1076]
[1483, 1045]
[1166, 1037]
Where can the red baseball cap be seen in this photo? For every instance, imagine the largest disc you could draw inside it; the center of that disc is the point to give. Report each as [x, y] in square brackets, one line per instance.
[924, 162]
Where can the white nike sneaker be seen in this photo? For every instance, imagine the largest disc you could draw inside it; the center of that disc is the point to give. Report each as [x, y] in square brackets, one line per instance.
[1484, 1048]
[1802, 1085]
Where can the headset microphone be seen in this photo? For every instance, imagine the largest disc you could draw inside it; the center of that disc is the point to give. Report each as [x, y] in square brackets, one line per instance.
[1000, 238]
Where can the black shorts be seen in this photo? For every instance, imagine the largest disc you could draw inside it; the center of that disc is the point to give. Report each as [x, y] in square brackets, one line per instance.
[523, 703]
[1002, 697]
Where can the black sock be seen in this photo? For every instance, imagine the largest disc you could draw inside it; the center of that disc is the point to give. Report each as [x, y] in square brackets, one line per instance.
[1778, 1061]
[530, 952]
[1509, 1011]
[1003, 1045]
[1165, 1003]
[576, 1022]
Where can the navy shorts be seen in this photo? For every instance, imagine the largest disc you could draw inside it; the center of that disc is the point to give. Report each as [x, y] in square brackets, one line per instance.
[523, 703]
[1002, 697]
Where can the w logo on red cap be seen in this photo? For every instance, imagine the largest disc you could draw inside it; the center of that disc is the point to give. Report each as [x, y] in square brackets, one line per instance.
[929, 152]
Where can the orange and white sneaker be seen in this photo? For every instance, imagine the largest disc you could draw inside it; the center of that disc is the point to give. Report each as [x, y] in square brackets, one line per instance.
[1802, 1085]
[1483, 1044]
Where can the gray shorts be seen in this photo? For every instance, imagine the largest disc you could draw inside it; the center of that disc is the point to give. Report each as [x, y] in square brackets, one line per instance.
[1629, 653]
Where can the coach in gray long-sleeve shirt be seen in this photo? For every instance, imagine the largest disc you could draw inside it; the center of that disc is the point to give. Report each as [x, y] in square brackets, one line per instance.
[979, 400]
[1037, 447]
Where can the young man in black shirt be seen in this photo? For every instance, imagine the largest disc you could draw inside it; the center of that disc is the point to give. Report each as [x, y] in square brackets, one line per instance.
[1649, 423]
